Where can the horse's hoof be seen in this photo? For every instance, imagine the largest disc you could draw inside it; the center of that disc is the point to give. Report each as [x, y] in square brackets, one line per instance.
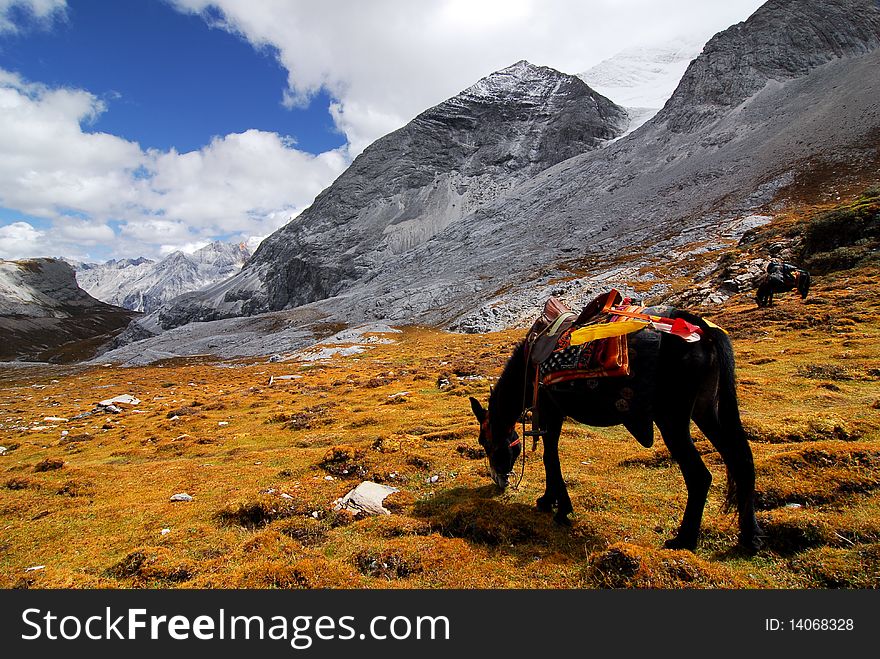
[545, 504]
[750, 546]
[678, 543]
[562, 519]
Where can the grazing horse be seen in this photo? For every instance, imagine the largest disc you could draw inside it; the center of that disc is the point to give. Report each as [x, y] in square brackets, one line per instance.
[782, 282]
[670, 382]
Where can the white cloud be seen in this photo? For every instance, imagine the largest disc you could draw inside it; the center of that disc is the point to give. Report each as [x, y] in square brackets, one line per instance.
[239, 180]
[52, 167]
[186, 248]
[384, 61]
[42, 11]
[18, 239]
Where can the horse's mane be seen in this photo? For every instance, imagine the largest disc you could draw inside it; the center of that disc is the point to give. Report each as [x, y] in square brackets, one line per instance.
[506, 400]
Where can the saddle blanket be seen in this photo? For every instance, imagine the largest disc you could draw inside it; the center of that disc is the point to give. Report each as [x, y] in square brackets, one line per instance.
[603, 356]
[595, 344]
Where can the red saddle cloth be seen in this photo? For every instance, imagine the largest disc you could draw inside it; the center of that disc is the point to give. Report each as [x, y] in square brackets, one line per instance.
[606, 357]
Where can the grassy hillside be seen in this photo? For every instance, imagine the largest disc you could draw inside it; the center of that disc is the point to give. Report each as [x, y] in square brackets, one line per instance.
[265, 462]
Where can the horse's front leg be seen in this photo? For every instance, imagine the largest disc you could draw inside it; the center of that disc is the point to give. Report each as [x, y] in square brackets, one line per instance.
[555, 492]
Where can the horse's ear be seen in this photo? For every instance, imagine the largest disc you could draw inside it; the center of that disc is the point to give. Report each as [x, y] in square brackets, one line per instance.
[479, 412]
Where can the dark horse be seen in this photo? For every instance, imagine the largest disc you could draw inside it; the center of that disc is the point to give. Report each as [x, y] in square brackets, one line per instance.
[781, 282]
[671, 382]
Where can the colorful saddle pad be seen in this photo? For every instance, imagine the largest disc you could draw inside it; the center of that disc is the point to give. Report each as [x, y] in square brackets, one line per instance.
[597, 358]
[596, 344]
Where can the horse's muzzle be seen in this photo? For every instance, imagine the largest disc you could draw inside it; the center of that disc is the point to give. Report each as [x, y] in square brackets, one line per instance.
[501, 480]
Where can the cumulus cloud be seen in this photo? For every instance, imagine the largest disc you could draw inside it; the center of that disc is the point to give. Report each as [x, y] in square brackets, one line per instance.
[239, 180]
[246, 184]
[385, 61]
[17, 240]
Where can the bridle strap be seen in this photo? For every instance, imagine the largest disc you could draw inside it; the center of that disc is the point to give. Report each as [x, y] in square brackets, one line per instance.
[486, 427]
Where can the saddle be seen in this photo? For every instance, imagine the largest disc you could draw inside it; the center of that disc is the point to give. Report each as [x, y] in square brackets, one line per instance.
[544, 333]
[557, 318]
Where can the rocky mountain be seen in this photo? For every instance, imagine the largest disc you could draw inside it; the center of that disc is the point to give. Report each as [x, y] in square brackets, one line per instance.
[412, 184]
[145, 285]
[786, 103]
[44, 315]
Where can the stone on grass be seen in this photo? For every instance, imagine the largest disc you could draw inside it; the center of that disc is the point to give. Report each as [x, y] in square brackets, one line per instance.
[126, 399]
[182, 496]
[366, 498]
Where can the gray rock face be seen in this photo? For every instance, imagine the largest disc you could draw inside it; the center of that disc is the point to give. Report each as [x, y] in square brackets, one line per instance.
[44, 314]
[410, 185]
[783, 40]
[144, 285]
[672, 182]
[785, 101]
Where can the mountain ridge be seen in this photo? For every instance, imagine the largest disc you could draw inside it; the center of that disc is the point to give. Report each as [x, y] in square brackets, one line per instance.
[45, 315]
[144, 285]
[413, 183]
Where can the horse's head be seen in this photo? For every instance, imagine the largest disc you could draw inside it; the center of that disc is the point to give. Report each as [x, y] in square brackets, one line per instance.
[803, 283]
[502, 445]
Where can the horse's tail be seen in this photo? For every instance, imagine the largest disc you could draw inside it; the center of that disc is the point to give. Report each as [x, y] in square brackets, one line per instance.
[728, 409]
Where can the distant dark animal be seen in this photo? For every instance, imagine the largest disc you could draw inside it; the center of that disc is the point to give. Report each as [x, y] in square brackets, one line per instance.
[671, 382]
[781, 278]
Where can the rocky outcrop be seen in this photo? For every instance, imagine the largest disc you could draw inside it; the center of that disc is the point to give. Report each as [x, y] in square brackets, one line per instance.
[783, 40]
[44, 315]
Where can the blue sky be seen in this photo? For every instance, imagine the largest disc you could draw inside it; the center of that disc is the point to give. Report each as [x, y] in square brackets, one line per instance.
[165, 76]
[137, 127]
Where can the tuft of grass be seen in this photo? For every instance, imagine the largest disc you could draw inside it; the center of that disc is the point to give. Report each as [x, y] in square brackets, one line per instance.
[624, 565]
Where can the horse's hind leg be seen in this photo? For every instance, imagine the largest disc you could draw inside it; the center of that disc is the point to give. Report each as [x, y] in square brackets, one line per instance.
[555, 492]
[677, 436]
[737, 456]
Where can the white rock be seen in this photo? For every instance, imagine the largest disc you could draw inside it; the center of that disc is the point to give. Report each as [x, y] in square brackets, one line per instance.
[285, 495]
[165, 531]
[54, 418]
[328, 478]
[275, 378]
[3, 450]
[223, 423]
[366, 498]
[182, 496]
[34, 568]
[127, 399]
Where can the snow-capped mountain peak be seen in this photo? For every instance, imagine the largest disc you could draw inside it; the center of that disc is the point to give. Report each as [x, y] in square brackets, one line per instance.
[642, 78]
